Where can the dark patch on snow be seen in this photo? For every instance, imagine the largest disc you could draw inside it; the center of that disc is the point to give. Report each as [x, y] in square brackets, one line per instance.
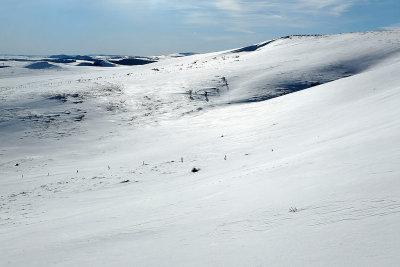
[96, 63]
[301, 35]
[54, 124]
[69, 57]
[79, 117]
[64, 98]
[298, 81]
[18, 59]
[103, 63]
[195, 169]
[83, 58]
[85, 64]
[116, 106]
[132, 61]
[61, 60]
[252, 48]
[188, 54]
[41, 65]
[278, 90]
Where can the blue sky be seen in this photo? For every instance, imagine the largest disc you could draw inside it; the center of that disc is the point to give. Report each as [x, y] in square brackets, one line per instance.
[153, 27]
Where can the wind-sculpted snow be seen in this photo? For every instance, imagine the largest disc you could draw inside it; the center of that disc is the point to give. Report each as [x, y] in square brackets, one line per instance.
[284, 153]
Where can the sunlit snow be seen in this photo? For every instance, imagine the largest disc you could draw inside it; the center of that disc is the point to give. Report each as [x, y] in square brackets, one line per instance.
[296, 143]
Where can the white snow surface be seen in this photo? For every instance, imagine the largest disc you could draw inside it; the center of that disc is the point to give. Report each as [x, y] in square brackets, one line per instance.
[91, 170]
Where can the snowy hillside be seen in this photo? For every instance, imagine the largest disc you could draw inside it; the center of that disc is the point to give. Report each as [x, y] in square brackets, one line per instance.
[296, 143]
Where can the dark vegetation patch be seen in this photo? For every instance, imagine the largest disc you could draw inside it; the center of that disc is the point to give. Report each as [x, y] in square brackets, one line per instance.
[301, 35]
[97, 63]
[41, 65]
[85, 64]
[52, 125]
[109, 89]
[18, 59]
[252, 48]
[116, 106]
[45, 120]
[188, 54]
[255, 47]
[69, 57]
[194, 169]
[102, 63]
[91, 61]
[75, 98]
[132, 61]
[61, 60]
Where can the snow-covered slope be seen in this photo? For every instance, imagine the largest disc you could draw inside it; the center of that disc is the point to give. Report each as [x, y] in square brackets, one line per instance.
[96, 163]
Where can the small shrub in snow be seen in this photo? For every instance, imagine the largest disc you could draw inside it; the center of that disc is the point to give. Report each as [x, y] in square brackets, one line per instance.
[195, 169]
[293, 209]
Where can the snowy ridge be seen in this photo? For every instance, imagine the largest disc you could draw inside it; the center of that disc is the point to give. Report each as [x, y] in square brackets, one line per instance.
[96, 162]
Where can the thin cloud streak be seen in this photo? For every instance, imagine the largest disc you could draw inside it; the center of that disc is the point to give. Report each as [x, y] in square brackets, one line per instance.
[393, 27]
[243, 15]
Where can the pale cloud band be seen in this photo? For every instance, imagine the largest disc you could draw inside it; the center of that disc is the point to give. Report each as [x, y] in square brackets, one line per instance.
[393, 27]
[243, 15]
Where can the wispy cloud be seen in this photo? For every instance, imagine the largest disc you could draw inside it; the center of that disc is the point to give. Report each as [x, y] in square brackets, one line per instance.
[229, 5]
[220, 38]
[199, 17]
[392, 27]
[243, 15]
[326, 7]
